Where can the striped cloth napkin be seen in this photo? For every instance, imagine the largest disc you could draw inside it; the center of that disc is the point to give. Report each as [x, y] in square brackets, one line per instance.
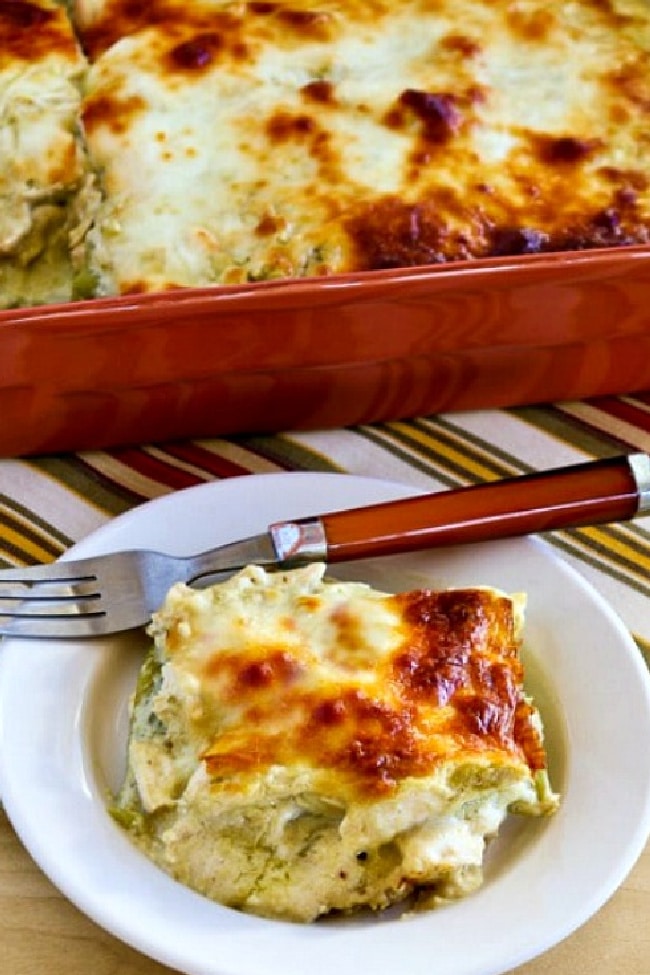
[48, 503]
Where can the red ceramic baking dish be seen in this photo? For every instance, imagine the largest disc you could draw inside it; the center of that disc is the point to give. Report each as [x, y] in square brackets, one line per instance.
[324, 352]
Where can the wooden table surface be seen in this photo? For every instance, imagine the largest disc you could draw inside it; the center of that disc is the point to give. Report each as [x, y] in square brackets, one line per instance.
[41, 933]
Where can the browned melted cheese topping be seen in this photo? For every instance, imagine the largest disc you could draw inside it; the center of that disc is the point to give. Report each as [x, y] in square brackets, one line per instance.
[29, 31]
[387, 135]
[215, 30]
[450, 688]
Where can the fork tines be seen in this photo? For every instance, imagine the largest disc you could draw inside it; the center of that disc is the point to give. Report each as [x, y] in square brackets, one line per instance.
[63, 597]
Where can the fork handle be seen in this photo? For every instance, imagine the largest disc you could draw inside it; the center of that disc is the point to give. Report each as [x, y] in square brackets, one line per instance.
[615, 489]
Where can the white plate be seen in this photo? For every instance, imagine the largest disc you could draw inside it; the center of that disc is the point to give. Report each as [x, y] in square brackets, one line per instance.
[63, 728]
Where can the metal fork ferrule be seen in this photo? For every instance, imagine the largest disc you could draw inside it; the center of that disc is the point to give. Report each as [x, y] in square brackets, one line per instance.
[640, 467]
[303, 540]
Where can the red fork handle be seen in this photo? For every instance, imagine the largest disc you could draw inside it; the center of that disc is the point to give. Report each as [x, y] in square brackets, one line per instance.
[585, 494]
[615, 489]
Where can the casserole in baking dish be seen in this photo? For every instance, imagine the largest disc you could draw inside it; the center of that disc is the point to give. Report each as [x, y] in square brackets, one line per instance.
[228, 217]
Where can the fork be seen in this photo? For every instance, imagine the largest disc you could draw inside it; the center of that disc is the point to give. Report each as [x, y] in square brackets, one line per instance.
[120, 591]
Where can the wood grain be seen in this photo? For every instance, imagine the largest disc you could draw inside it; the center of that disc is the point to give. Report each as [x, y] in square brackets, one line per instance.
[41, 933]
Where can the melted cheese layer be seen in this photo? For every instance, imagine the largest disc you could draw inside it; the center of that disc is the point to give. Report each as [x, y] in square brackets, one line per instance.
[242, 141]
[300, 746]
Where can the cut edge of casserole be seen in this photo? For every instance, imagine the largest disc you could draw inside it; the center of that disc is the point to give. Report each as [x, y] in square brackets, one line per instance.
[47, 190]
[302, 747]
